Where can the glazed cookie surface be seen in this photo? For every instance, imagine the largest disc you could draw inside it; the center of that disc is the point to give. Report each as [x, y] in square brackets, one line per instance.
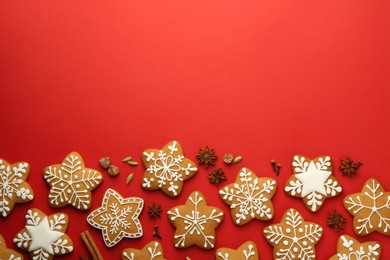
[8, 254]
[167, 169]
[247, 251]
[117, 217]
[13, 186]
[151, 251]
[195, 222]
[249, 197]
[71, 183]
[349, 248]
[312, 180]
[44, 236]
[293, 237]
[370, 209]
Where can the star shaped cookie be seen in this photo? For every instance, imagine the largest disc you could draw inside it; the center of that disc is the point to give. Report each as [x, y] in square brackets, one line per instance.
[247, 251]
[312, 180]
[249, 197]
[44, 236]
[117, 217]
[71, 183]
[153, 251]
[167, 169]
[293, 237]
[13, 185]
[350, 248]
[6, 253]
[370, 209]
[195, 222]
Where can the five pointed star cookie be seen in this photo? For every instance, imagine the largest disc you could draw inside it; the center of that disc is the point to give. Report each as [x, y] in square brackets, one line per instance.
[350, 248]
[71, 182]
[6, 253]
[44, 236]
[13, 185]
[117, 217]
[313, 181]
[167, 169]
[195, 222]
[370, 208]
[151, 251]
[247, 251]
[293, 237]
[249, 197]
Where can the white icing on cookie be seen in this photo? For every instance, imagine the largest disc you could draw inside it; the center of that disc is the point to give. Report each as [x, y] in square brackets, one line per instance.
[369, 253]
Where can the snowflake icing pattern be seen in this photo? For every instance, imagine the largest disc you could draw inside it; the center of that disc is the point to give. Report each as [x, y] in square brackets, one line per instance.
[193, 224]
[295, 239]
[117, 217]
[247, 251]
[249, 197]
[313, 181]
[151, 251]
[370, 208]
[352, 249]
[72, 183]
[167, 169]
[13, 185]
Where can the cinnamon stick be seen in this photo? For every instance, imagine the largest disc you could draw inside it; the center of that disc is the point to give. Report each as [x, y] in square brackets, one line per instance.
[91, 246]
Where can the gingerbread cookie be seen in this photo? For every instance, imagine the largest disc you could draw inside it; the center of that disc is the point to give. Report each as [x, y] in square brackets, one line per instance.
[13, 185]
[247, 251]
[8, 254]
[71, 182]
[195, 222]
[293, 237]
[117, 217]
[350, 248]
[167, 169]
[44, 236]
[313, 181]
[249, 197]
[370, 209]
[151, 251]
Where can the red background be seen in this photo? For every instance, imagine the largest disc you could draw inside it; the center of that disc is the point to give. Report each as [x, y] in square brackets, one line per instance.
[263, 79]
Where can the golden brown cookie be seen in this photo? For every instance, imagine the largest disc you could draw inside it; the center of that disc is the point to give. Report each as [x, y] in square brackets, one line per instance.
[13, 185]
[195, 222]
[8, 254]
[151, 251]
[293, 237]
[249, 197]
[349, 248]
[167, 169]
[71, 182]
[312, 180]
[117, 217]
[370, 209]
[247, 251]
[44, 236]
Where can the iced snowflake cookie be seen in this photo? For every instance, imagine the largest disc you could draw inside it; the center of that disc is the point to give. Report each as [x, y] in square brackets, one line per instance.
[195, 222]
[8, 254]
[44, 236]
[370, 209]
[71, 182]
[13, 185]
[349, 248]
[312, 180]
[117, 217]
[249, 197]
[167, 169]
[247, 251]
[151, 251]
[293, 237]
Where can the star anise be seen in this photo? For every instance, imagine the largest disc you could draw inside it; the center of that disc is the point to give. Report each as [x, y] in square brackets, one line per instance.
[336, 221]
[217, 176]
[348, 167]
[206, 157]
[154, 211]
